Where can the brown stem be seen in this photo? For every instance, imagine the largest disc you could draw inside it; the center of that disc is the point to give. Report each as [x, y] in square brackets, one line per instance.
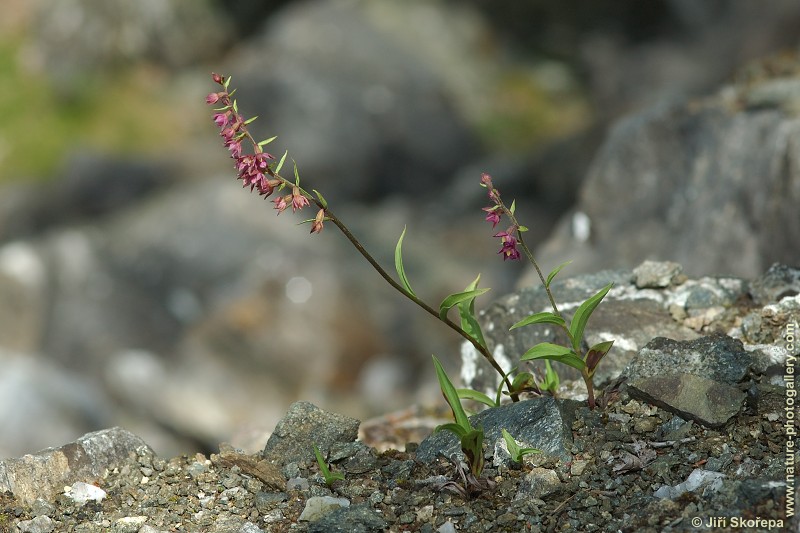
[378, 268]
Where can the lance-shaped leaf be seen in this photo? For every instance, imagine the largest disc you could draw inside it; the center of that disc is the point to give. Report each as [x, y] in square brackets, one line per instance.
[466, 310]
[321, 199]
[472, 446]
[280, 163]
[554, 352]
[555, 272]
[545, 317]
[296, 174]
[582, 315]
[514, 449]
[455, 299]
[471, 394]
[267, 141]
[330, 477]
[398, 264]
[551, 379]
[451, 397]
[596, 354]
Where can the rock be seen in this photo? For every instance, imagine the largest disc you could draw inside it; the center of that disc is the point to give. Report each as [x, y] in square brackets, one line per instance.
[81, 493]
[43, 475]
[539, 483]
[542, 423]
[776, 283]
[716, 357]
[691, 397]
[303, 426]
[40, 524]
[699, 479]
[629, 315]
[318, 506]
[656, 275]
[675, 181]
[360, 518]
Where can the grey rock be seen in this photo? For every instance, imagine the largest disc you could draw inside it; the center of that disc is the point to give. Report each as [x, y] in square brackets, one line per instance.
[656, 274]
[304, 426]
[539, 482]
[40, 524]
[318, 506]
[716, 357]
[776, 283]
[699, 480]
[629, 315]
[675, 181]
[44, 474]
[543, 423]
[691, 397]
[360, 518]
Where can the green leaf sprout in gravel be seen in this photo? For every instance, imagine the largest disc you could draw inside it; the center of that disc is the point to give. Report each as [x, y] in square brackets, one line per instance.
[330, 477]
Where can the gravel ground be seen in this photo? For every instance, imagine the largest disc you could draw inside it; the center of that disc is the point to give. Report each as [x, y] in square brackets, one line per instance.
[621, 456]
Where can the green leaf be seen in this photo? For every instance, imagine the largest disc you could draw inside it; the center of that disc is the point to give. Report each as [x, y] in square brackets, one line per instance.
[451, 396]
[227, 82]
[280, 163]
[398, 264]
[554, 352]
[296, 174]
[472, 446]
[452, 427]
[457, 298]
[235, 105]
[522, 381]
[466, 310]
[596, 354]
[321, 198]
[266, 142]
[330, 477]
[554, 272]
[514, 449]
[249, 120]
[545, 317]
[513, 206]
[522, 229]
[551, 379]
[582, 315]
[470, 394]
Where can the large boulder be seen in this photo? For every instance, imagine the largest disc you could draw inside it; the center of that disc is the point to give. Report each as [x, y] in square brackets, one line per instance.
[713, 184]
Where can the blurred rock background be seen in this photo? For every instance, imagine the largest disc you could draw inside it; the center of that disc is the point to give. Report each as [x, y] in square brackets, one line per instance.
[139, 286]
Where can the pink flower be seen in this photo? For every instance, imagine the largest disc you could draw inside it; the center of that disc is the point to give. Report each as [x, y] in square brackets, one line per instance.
[493, 215]
[316, 226]
[282, 202]
[298, 200]
[221, 119]
[217, 78]
[509, 249]
[486, 180]
[213, 98]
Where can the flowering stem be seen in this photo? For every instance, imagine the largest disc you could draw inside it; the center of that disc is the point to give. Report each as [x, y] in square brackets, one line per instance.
[528, 253]
[430, 310]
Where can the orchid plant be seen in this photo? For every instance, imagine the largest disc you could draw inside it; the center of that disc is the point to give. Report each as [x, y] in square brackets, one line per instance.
[261, 171]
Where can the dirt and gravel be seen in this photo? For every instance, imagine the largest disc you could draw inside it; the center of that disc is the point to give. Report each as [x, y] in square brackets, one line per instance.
[621, 455]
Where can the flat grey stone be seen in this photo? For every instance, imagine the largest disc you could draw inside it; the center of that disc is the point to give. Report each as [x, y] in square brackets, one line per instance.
[708, 402]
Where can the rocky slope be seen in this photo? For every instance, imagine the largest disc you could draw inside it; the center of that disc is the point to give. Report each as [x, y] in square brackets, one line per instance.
[688, 432]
